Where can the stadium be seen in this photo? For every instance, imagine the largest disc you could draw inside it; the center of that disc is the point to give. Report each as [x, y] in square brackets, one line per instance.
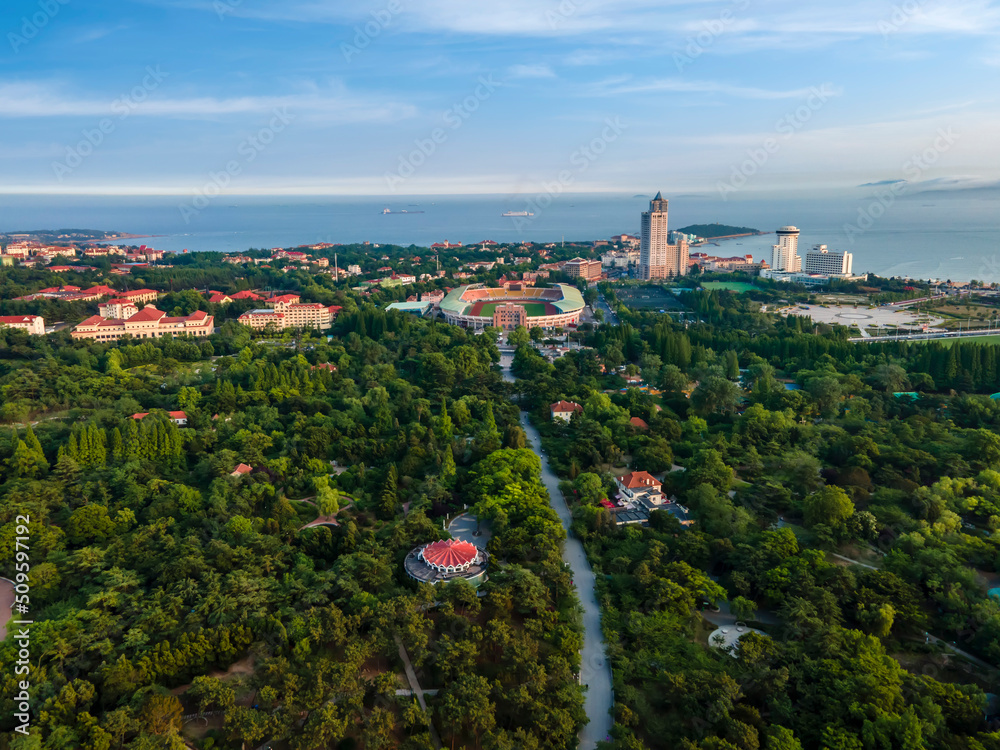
[476, 306]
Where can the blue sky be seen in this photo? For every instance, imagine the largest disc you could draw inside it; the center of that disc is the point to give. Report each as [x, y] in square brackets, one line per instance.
[452, 96]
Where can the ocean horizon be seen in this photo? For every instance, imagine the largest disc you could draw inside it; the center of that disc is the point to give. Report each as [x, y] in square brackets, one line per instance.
[925, 235]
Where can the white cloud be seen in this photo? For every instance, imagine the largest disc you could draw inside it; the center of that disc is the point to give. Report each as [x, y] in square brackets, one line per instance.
[530, 71]
[625, 85]
[20, 100]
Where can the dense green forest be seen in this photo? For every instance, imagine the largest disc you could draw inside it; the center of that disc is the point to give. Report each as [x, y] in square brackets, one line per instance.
[162, 587]
[845, 498]
[793, 444]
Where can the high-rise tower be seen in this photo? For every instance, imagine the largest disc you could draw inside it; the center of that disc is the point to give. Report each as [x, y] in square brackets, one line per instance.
[658, 259]
[785, 255]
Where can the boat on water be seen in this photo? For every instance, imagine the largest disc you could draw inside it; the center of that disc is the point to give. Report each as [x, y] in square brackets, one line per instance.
[517, 213]
[404, 211]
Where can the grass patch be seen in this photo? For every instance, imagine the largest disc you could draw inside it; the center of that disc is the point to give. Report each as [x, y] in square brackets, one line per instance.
[994, 339]
[729, 286]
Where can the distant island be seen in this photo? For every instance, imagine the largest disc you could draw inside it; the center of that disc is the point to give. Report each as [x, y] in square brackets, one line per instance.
[65, 235]
[715, 231]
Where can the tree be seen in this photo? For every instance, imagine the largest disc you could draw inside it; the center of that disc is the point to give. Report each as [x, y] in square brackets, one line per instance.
[743, 608]
[716, 395]
[829, 506]
[389, 501]
[519, 337]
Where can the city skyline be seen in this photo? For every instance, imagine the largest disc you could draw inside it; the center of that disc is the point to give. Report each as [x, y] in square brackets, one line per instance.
[171, 96]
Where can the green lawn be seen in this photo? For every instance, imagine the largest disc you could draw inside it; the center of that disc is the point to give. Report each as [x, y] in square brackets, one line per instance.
[968, 339]
[729, 286]
[534, 309]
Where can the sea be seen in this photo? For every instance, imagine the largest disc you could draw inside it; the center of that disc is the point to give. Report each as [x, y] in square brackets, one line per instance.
[940, 235]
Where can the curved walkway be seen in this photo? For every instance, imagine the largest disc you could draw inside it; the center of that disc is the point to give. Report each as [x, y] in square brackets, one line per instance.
[595, 672]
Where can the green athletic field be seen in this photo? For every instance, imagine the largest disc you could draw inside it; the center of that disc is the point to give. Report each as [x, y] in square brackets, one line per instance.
[729, 286]
[534, 309]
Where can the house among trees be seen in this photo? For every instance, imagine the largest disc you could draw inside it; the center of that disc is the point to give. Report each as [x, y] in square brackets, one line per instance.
[179, 418]
[241, 470]
[640, 486]
[639, 423]
[564, 410]
[447, 560]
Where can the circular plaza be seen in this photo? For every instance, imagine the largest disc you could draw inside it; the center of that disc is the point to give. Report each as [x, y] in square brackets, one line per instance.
[866, 317]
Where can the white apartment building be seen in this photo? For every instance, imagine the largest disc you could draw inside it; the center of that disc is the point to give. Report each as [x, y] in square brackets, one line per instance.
[785, 255]
[821, 260]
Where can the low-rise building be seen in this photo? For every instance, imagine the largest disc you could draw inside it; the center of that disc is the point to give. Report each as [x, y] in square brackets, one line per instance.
[581, 268]
[120, 309]
[148, 323]
[639, 485]
[33, 324]
[564, 410]
[140, 296]
[179, 418]
[287, 315]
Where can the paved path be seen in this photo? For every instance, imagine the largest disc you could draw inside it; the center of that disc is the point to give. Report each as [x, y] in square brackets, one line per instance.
[595, 672]
[6, 602]
[853, 562]
[411, 677]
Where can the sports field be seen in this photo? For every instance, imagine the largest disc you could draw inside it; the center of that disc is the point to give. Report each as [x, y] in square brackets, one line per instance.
[534, 309]
[729, 286]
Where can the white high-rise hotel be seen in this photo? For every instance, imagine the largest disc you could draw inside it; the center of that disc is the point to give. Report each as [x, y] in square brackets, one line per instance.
[658, 259]
[785, 255]
[821, 260]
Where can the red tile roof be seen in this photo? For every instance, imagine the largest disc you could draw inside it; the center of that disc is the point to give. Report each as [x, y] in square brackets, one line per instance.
[147, 313]
[638, 422]
[560, 407]
[9, 319]
[241, 470]
[635, 479]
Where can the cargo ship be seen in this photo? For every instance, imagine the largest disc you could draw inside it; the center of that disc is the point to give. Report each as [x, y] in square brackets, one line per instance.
[404, 211]
[517, 213]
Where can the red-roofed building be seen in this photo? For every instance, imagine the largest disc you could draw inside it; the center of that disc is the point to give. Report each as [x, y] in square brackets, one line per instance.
[246, 295]
[283, 299]
[241, 471]
[637, 486]
[564, 410]
[140, 295]
[179, 418]
[33, 324]
[101, 290]
[218, 298]
[445, 245]
[639, 423]
[148, 323]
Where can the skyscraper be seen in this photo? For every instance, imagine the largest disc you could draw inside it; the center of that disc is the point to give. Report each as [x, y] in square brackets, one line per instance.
[658, 259]
[785, 255]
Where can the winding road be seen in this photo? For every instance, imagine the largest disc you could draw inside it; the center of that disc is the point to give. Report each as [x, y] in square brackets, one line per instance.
[595, 672]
